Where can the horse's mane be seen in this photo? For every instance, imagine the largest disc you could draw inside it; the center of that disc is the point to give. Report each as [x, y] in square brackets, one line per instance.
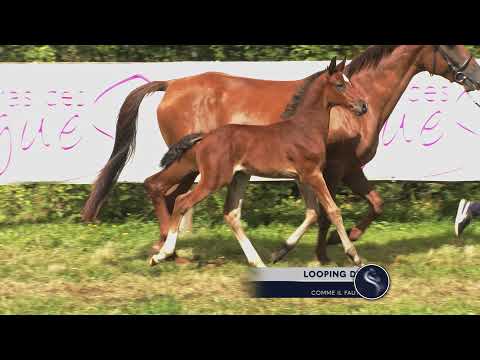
[369, 58]
[297, 98]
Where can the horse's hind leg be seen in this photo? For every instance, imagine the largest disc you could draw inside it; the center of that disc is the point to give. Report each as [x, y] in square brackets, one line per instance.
[232, 214]
[358, 183]
[311, 215]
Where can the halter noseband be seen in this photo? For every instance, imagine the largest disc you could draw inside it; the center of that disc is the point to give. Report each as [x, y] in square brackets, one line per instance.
[457, 70]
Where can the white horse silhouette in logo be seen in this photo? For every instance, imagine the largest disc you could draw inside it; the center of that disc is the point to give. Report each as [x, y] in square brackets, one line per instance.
[373, 278]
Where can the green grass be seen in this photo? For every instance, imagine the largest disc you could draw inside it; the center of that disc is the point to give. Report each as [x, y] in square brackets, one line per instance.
[66, 268]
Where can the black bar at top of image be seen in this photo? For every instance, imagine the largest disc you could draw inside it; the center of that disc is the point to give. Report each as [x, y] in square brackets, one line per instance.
[202, 23]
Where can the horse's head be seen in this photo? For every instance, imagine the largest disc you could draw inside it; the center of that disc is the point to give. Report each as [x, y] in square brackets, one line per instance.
[453, 62]
[340, 91]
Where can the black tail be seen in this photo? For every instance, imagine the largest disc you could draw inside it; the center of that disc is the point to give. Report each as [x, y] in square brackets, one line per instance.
[123, 148]
[176, 151]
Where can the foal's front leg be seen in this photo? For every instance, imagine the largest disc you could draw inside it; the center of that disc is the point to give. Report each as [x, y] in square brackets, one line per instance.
[317, 182]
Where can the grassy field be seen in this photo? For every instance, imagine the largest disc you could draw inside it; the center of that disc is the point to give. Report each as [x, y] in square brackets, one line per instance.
[67, 268]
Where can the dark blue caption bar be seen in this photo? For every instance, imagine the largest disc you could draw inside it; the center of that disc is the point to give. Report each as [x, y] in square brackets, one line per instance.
[290, 289]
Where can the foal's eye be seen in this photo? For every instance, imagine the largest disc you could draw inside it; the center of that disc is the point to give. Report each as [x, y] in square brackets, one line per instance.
[340, 86]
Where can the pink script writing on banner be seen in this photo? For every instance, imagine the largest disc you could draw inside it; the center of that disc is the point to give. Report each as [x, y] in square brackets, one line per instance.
[36, 131]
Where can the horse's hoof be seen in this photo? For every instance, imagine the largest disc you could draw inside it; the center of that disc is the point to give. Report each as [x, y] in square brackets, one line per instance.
[280, 254]
[324, 260]
[333, 239]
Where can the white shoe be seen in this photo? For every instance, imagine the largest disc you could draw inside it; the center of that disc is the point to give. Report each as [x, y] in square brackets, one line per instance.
[463, 217]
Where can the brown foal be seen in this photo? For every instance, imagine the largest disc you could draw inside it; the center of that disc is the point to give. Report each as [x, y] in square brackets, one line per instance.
[295, 148]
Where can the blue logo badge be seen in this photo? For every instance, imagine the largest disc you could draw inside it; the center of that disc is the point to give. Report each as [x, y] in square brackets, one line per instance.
[371, 282]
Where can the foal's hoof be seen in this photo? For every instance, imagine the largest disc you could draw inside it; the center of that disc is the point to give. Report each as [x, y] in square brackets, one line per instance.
[155, 259]
[152, 262]
[353, 256]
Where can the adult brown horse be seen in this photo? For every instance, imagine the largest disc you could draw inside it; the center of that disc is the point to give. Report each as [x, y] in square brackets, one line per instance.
[235, 151]
[205, 102]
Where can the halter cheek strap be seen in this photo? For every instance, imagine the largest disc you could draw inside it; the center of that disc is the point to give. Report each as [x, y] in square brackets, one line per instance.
[458, 73]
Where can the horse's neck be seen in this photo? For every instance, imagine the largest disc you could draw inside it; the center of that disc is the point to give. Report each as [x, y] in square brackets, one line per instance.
[384, 84]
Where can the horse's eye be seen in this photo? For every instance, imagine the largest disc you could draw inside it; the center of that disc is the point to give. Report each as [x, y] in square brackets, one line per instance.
[341, 86]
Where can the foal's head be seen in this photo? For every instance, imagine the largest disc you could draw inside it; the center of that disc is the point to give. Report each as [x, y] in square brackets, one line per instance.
[340, 91]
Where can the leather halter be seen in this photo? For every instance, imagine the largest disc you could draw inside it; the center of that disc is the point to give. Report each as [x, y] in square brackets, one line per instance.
[457, 70]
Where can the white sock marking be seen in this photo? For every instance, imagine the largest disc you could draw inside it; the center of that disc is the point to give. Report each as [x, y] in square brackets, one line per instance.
[168, 247]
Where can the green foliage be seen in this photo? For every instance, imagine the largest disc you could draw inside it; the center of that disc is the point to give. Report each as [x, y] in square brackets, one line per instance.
[264, 203]
[158, 53]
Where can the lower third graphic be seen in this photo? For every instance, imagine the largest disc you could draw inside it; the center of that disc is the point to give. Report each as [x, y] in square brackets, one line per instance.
[369, 282]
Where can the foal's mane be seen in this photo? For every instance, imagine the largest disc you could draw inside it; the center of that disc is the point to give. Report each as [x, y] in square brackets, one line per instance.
[297, 98]
[369, 58]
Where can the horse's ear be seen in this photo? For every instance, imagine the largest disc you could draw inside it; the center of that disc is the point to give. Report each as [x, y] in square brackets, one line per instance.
[333, 66]
[341, 66]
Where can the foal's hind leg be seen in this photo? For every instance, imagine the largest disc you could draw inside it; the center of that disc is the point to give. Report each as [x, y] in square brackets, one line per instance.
[232, 213]
[158, 187]
[168, 201]
[317, 182]
[182, 205]
[311, 215]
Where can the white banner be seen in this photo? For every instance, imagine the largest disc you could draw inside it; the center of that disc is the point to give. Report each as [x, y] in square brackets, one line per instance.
[57, 121]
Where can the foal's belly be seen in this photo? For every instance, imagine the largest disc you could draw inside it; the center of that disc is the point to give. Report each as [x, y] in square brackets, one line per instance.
[267, 172]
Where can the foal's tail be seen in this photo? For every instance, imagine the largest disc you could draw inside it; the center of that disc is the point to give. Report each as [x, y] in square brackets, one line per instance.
[176, 151]
[123, 148]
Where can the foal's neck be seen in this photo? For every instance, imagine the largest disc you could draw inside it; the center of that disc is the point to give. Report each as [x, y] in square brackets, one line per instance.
[314, 109]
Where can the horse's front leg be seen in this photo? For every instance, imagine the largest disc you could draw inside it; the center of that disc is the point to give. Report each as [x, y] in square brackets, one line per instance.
[232, 215]
[360, 186]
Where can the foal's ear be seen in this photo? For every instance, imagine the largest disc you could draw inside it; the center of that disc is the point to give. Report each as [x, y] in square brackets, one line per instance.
[341, 66]
[333, 66]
